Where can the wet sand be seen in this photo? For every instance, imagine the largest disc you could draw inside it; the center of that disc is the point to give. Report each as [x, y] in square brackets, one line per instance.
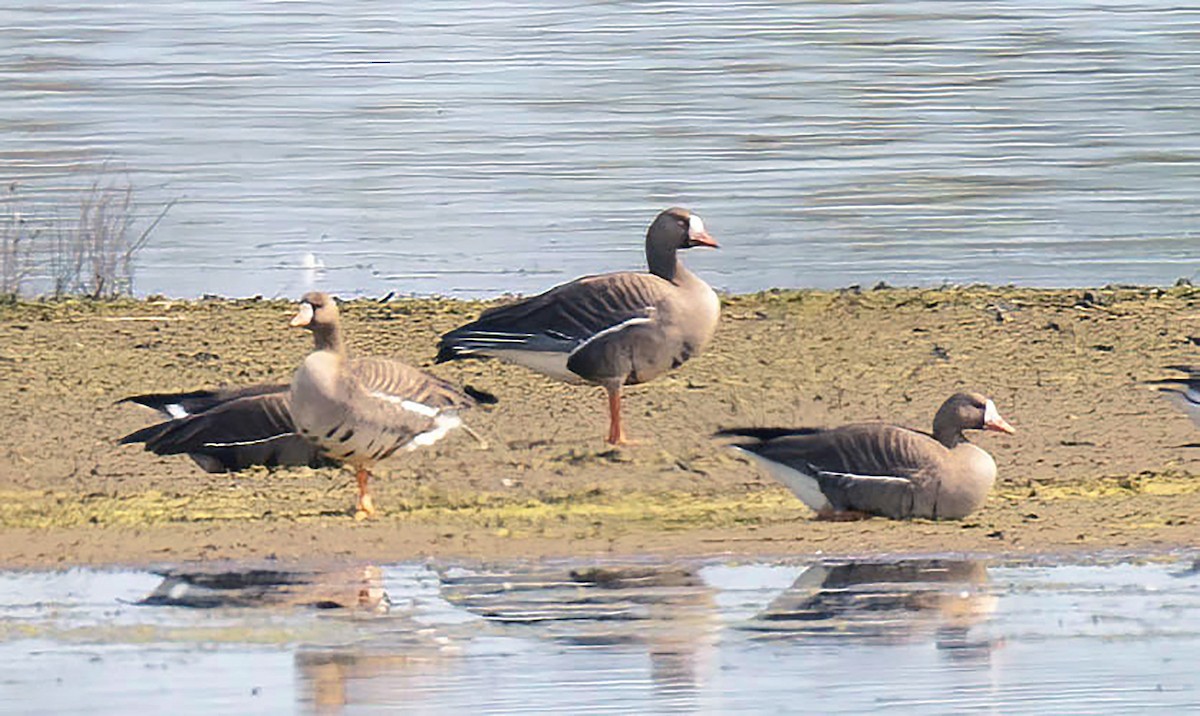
[1097, 463]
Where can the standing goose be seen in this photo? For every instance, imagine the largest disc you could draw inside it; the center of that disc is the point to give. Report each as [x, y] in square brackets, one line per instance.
[335, 411]
[363, 411]
[227, 429]
[610, 330]
[854, 471]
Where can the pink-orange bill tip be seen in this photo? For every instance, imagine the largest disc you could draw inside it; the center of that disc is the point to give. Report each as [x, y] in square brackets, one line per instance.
[993, 421]
[303, 317]
[1000, 425]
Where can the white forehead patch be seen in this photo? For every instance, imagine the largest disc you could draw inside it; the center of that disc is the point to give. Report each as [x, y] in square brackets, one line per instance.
[990, 414]
[695, 225]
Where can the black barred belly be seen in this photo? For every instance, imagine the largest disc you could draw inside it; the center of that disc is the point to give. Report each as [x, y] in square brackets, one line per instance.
[347, 444]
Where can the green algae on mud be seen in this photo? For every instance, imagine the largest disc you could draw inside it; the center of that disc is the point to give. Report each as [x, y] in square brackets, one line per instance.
[1146, 482]
[668, 511]
[1096, 452]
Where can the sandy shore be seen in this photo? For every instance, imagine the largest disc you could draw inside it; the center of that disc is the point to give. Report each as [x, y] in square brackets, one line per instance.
[1097, 462]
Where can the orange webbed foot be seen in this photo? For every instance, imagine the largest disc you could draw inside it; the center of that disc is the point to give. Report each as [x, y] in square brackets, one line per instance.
[365, 508]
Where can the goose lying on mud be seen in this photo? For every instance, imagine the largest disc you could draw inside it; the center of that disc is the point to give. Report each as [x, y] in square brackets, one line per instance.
[855, 471]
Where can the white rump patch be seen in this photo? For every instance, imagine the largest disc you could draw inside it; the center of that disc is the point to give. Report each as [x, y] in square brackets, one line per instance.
[175, 411]
[443, 424]
[695, 225]
[242, 443]
[801, 484]
[636, 321]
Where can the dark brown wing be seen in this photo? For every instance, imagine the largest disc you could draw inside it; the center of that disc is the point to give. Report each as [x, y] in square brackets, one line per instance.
[560, 319]
[873, 468]
[234, 435]
[178, 405]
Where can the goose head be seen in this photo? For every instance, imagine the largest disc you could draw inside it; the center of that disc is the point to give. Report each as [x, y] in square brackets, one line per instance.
[672, 230]
[967, 411]
[676, 229]
[319, 314]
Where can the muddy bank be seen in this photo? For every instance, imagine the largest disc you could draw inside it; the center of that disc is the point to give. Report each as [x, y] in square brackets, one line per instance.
[1097, 462]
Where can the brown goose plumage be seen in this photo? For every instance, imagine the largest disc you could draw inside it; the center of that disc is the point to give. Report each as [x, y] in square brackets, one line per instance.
[365, 410]
[358, 411]
[610, 330]
[885, 470]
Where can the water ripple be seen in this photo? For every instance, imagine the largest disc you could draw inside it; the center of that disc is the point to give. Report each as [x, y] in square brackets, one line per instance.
[956, 141]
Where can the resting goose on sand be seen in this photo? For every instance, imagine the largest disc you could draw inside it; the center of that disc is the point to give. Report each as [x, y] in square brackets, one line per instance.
[866, 469]
[227, 429]
[1183, 392]
[355, 411]
[611, 330]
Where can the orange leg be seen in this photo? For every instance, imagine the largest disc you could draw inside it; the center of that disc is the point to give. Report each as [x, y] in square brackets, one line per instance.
[366, 506]
[616, 433]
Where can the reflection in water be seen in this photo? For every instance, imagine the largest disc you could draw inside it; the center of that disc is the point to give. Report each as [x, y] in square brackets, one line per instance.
[358, 588]
[377, 671]
[1190, 571]
[372, 665]
[835, 637]
[667, 610]
[886, 602]
[664, 612]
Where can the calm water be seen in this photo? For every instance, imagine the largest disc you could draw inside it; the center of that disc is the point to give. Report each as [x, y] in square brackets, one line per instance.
[470, 149]
[930, 635]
